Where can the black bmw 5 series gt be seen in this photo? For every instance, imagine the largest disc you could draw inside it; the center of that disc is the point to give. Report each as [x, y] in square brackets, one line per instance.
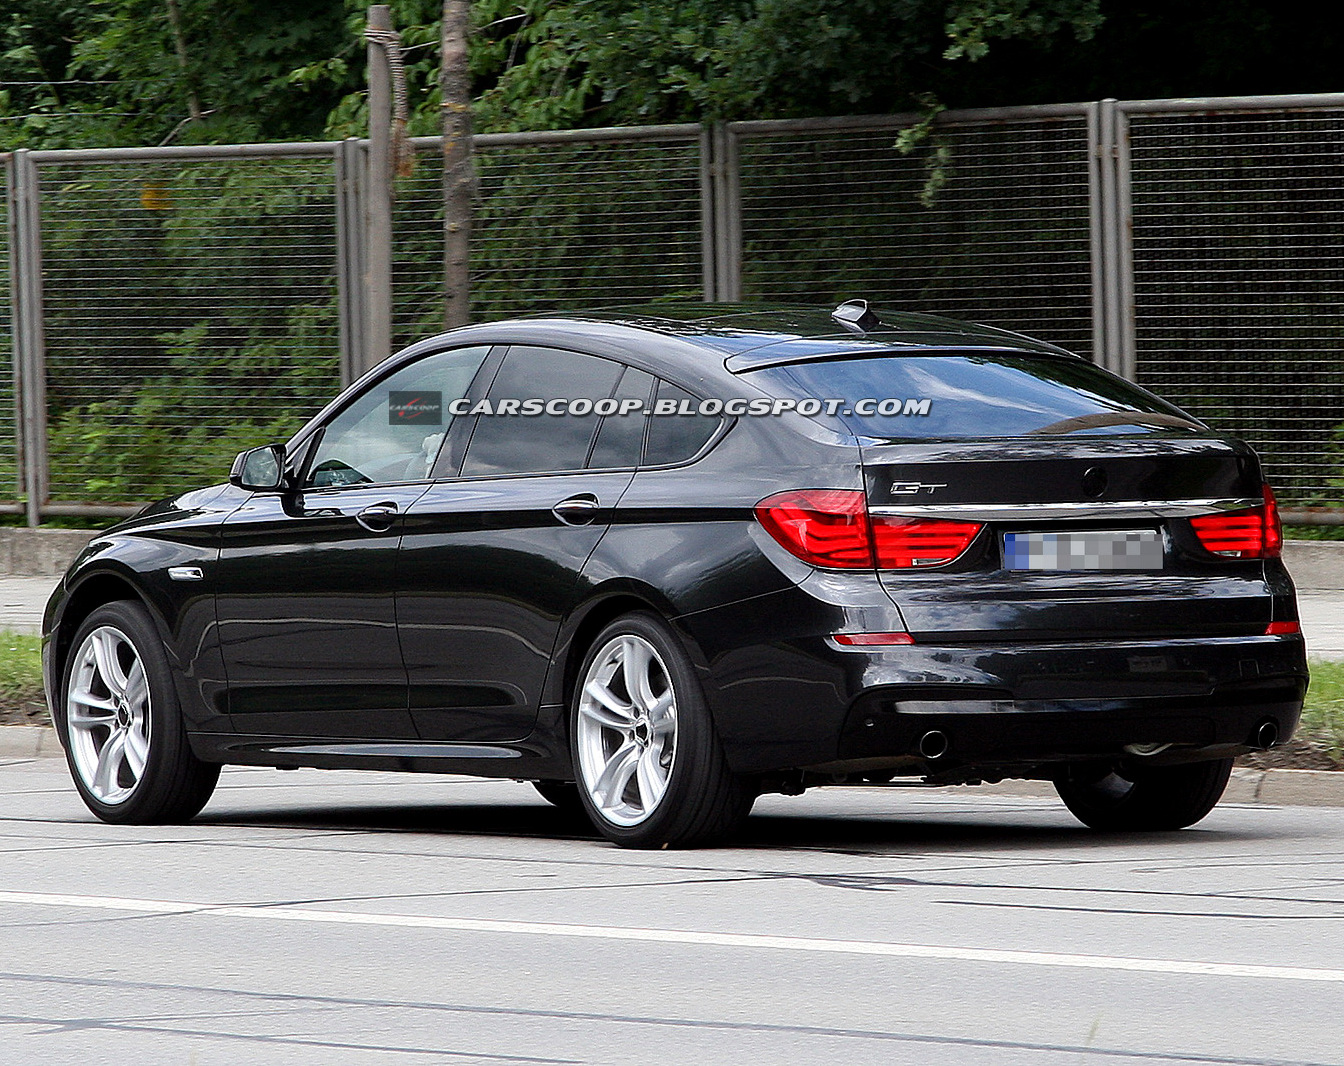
[660, 563]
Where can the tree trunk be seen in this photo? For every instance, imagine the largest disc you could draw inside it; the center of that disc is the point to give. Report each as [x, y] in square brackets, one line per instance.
[180, 45]
[458, 173]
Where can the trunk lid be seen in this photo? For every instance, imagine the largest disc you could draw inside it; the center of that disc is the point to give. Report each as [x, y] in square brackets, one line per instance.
[1147, 487]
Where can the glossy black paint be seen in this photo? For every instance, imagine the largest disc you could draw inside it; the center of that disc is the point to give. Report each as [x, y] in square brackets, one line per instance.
[448, 638]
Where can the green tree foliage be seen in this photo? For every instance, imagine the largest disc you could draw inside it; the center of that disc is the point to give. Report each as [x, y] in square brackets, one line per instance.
[605, 62]
[107, 72]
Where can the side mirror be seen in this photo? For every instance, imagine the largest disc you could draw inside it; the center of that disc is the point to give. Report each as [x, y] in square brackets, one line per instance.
[260, 469]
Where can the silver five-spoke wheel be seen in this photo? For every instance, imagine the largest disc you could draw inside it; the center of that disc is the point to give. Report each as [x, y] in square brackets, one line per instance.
[627, 730]
[108, 711]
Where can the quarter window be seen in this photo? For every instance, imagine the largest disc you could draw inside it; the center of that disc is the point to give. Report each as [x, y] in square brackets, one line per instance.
[676, 438]
[392, 431]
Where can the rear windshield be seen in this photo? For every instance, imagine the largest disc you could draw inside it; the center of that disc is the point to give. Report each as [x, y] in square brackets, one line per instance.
[981, 394]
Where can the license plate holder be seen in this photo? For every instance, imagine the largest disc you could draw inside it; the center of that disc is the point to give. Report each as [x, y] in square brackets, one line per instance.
[1093, 549]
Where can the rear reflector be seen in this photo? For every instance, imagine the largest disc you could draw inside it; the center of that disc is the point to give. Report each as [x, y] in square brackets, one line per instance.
[1254, 533]
[832, 528]
[864, 640]
[1278, 629]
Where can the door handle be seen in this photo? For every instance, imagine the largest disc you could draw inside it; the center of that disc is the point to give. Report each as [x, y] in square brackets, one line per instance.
[577, 510]
[378, 517]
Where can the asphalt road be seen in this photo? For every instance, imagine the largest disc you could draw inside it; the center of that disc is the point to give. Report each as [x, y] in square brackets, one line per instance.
[330, 918]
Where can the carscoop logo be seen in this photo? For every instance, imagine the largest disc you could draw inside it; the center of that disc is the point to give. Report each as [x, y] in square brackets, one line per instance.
[415, 408]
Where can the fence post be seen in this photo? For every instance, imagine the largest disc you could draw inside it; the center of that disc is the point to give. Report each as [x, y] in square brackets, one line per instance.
[1126, 312]
[1096, 232]
[29, 343]
[1110, 352]
[350, 165]
[708, 225]
[377, 265]
[727, 215]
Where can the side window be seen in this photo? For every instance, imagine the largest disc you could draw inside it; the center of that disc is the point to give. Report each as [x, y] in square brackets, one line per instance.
[515, 443]
[675, 438]
[621, 436]
[392, 431]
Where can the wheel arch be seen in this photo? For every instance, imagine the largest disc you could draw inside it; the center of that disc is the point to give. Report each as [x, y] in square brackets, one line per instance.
[91, 592]
[581, 628]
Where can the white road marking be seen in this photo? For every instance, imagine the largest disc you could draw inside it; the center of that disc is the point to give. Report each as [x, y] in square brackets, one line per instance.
[698, 938]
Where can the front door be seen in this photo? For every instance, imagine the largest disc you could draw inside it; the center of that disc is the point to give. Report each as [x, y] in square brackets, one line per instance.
[306, 579]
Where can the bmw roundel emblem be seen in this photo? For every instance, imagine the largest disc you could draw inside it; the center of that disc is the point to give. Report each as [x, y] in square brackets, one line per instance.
[1094, 482]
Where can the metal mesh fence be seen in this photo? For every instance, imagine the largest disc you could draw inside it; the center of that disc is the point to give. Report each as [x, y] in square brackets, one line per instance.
[191, 302]
[1239, 282]
[10, 487]
[557, 226]
[832, 215]
[190, 313]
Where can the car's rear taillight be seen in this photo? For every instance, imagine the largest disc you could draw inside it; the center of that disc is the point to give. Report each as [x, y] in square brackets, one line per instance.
[1253, 533]
[832, 528]
[824, 527]
[904, 542]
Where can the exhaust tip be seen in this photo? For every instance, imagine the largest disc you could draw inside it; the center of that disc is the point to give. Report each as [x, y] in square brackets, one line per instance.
[933, 744]
[1266, 734]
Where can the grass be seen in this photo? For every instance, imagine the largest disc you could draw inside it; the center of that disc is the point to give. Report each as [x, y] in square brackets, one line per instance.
[1323, 714]
[20, 673]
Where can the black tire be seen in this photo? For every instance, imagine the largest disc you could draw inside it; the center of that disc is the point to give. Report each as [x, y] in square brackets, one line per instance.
[1129, 798]
[561, 794]
[172, 785]
[702, 801]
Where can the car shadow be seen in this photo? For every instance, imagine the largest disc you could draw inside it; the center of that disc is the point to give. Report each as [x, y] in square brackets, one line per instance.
[766, 831]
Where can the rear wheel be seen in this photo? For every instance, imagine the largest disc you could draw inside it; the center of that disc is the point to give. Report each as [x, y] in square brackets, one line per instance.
[1130, 798]
[124, 738]
[651, 771]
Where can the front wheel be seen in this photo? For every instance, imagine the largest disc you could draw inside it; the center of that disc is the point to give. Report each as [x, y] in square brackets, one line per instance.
[1138, 798]
[651, 771]
[123, 732]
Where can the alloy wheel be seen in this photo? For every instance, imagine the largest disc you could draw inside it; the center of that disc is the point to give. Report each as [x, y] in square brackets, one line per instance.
[627, 730]
[108, 713]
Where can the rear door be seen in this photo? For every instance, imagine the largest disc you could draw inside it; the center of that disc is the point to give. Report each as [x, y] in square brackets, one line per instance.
[491, 554]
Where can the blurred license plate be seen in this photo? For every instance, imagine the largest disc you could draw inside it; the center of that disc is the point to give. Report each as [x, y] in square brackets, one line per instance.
[1129, 549]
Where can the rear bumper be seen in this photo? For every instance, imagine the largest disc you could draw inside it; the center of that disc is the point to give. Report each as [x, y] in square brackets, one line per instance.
[1008, 709]
[967, 738]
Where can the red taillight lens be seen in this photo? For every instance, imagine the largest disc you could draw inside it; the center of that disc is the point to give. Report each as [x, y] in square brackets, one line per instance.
[1273, 527]
[1280, 629]
[824, 527]
[832, 528]
[902, 542]
[1254, 533]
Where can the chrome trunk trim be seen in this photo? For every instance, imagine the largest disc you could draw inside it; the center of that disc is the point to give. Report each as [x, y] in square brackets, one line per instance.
[1008, 512]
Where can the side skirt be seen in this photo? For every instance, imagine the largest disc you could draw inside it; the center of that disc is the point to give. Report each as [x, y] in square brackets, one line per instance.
[523, 759]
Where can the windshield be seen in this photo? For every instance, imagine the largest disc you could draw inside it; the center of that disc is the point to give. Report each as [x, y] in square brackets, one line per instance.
[972, 394]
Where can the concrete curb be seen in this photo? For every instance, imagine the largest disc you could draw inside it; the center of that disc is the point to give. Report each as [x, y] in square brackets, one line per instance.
[29, 742]
[1316, 565]
[1274, 788]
